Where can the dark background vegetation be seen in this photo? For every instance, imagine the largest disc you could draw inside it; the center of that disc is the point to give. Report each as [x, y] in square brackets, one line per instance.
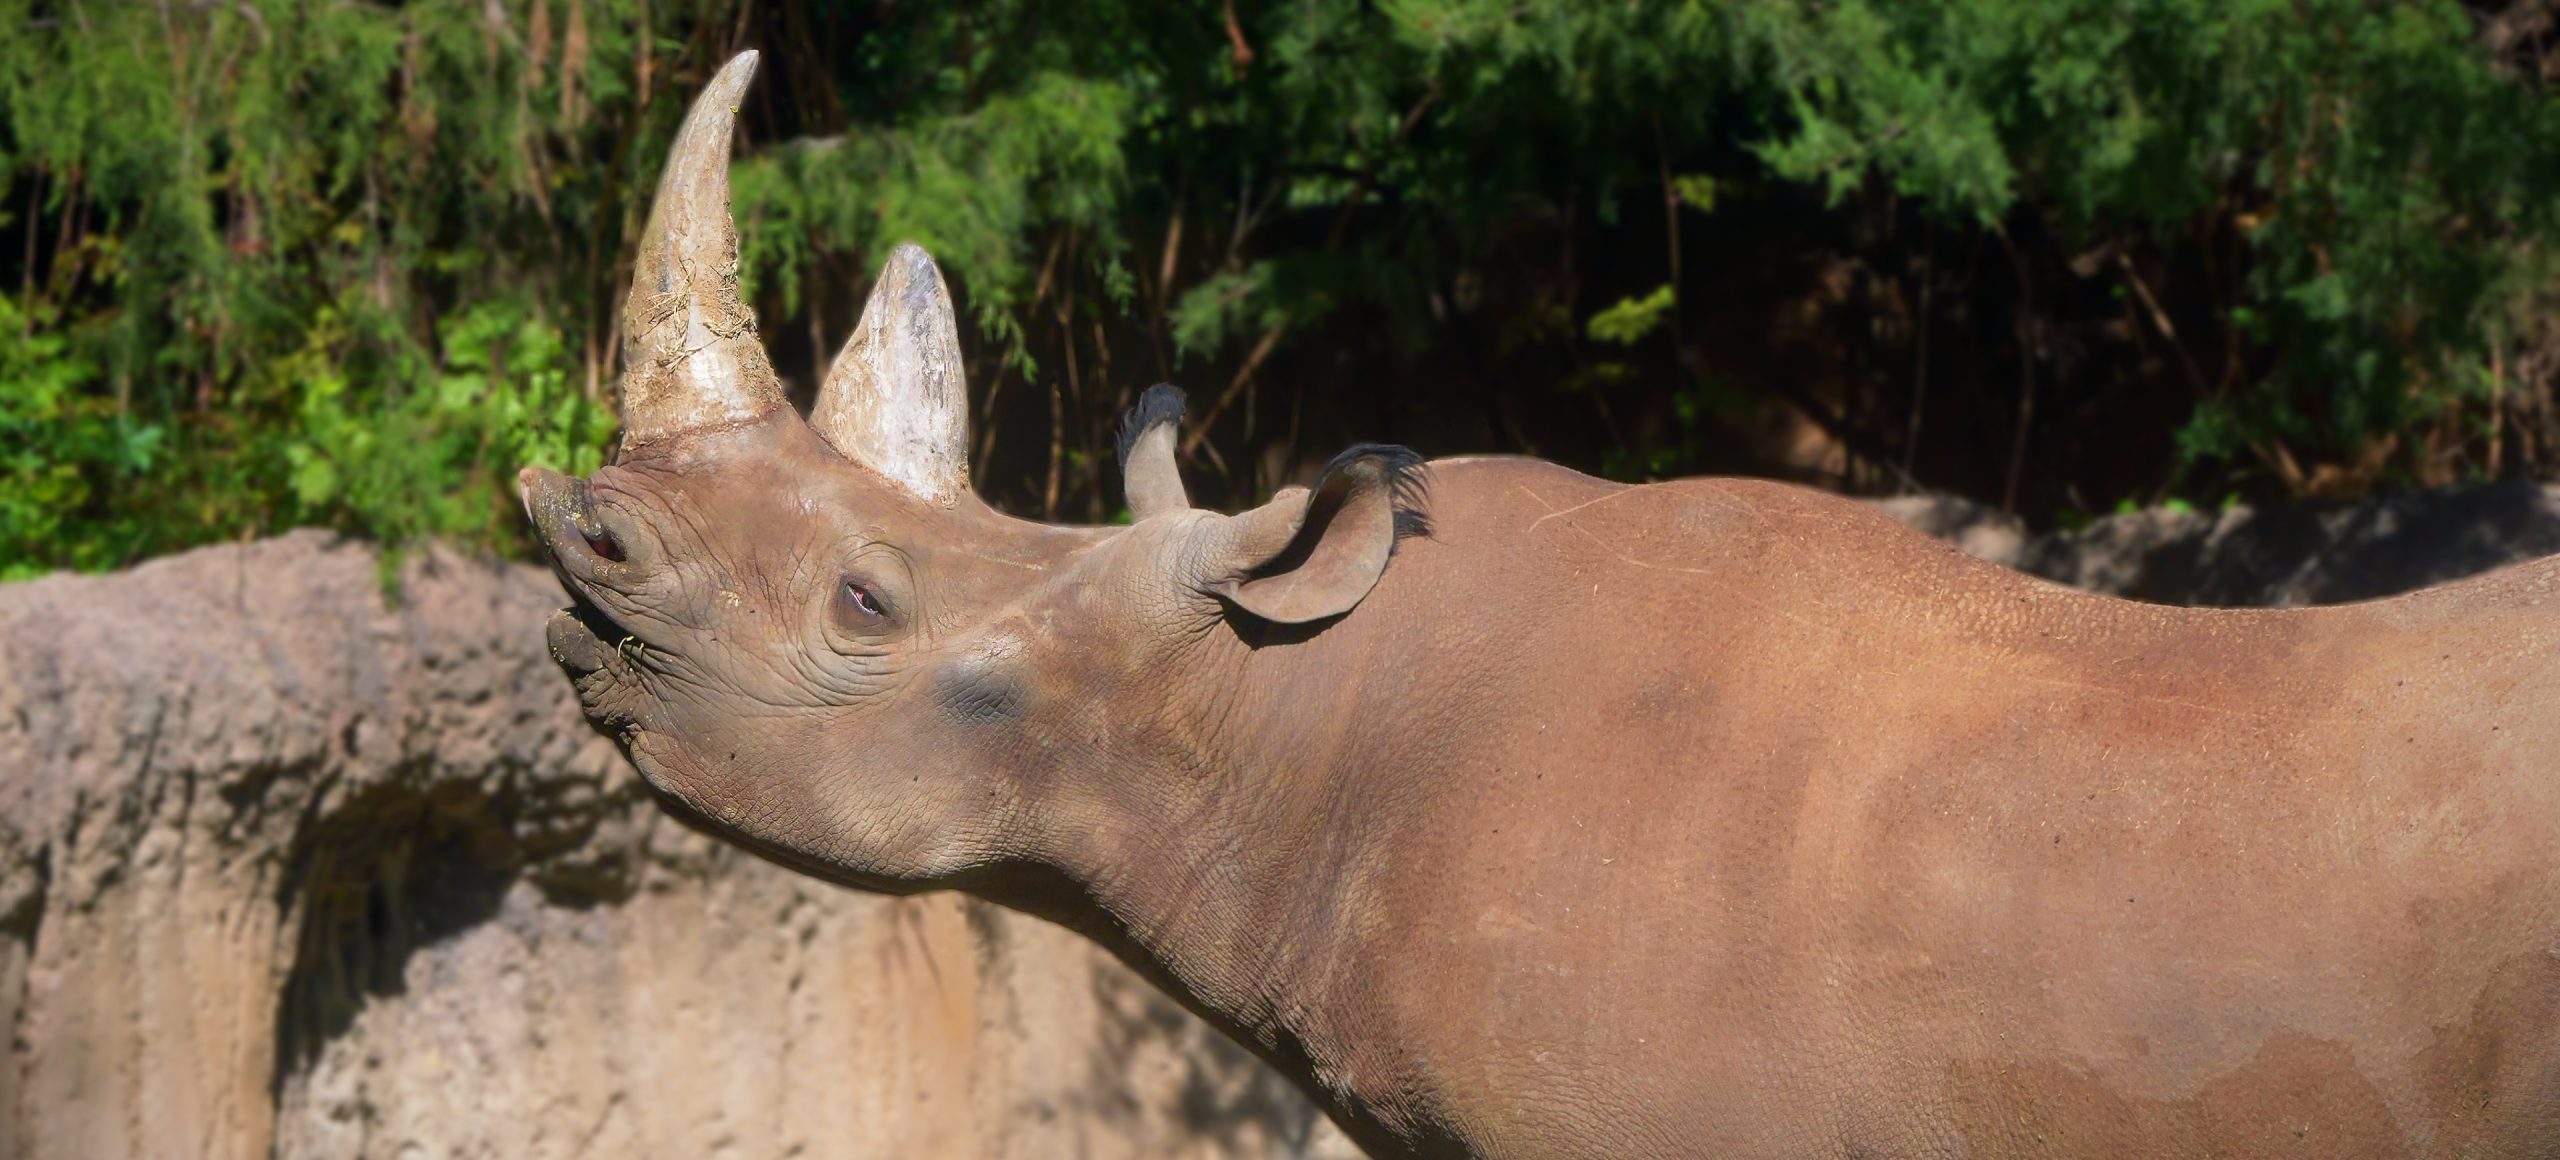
[266, 263]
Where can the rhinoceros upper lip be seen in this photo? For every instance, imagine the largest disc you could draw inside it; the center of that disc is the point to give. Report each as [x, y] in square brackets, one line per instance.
[589, 613]
[582, 549]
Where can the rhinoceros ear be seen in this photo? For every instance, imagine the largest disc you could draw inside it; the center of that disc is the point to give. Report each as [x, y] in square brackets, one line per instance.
[1148, 472]
[1309, 555]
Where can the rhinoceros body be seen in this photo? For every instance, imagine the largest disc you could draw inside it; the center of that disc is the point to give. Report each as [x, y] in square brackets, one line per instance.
[1727, 819]
[1521, 814]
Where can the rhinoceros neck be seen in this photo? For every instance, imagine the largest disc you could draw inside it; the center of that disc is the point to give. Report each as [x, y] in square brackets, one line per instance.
[1243, 856]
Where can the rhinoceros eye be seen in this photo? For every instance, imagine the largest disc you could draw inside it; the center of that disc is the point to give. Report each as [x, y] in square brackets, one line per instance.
[857, 609]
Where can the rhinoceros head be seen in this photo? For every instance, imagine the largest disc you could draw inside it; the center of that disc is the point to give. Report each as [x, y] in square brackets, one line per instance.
[814, 634]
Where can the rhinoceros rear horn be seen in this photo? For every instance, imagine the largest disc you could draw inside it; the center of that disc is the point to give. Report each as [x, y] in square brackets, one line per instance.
[690, 354]
[895, 400]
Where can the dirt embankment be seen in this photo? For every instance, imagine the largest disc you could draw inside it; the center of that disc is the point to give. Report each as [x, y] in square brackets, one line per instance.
[286, 870]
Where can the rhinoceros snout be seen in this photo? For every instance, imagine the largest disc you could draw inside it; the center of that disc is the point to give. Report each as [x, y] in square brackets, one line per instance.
[563, 511]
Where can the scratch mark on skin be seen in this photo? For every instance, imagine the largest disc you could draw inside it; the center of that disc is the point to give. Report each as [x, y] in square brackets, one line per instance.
[1024, 565]
[1713, 495]
[1605, 546]
[1552, 513]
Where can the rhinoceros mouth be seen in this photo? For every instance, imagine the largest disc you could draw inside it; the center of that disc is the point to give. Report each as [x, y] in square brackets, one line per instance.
[584, 552]
[583, 639]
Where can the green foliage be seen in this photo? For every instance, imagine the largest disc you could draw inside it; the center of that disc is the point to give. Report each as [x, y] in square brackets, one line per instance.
[1695, 190]
[501, 400]
[50, 426]
[352, 264]
[2383, 169]
[1631, 319]
[970, 184]
[1221, 305]
[279, 265]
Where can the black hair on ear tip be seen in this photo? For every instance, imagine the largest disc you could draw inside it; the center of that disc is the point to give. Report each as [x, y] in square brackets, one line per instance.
[1407, 487]
[1162, 403]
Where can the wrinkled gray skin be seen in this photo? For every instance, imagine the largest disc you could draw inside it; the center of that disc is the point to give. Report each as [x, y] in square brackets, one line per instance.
[1705, 818]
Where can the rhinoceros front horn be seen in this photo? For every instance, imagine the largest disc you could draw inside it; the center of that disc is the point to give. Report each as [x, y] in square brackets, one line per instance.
[690, 355]
[895, 400]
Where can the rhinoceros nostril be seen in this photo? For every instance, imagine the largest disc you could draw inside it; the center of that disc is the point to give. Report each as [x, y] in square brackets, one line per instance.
[603, 544]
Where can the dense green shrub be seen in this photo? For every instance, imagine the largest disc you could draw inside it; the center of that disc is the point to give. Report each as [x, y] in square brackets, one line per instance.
[287, 263]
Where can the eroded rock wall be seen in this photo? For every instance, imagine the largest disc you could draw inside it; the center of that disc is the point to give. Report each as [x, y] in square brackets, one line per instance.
[288, 869]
